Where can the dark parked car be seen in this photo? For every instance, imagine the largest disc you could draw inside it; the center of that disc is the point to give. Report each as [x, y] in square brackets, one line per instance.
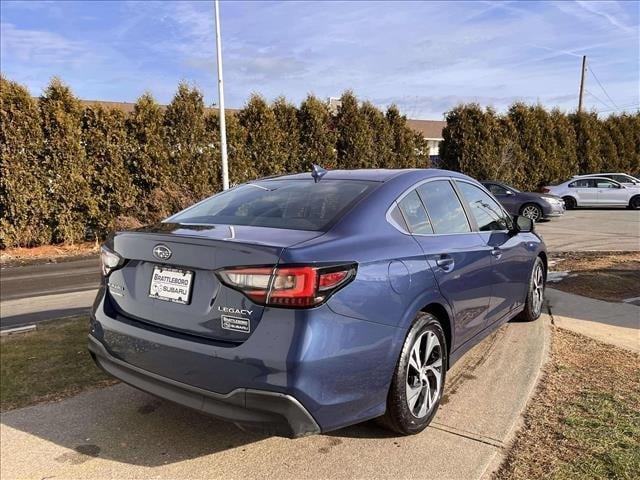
[536, 206]
[296, 305]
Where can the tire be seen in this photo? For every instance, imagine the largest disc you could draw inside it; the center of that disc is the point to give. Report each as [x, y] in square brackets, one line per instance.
[532, 211]
[634, 203]
[570, 203]
[408, 414]
[535, 293]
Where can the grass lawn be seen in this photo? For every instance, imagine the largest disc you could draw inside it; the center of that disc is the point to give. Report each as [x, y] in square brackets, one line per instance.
[605, 276]
[584, 421]
[47, 364]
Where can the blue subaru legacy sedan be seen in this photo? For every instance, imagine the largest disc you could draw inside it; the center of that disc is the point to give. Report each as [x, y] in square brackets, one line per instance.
[305, 303]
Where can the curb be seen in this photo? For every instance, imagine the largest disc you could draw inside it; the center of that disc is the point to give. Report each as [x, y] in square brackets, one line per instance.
[494, 463]
[13, 331]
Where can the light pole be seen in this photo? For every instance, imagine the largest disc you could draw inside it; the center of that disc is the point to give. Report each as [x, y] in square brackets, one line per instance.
[223, 126]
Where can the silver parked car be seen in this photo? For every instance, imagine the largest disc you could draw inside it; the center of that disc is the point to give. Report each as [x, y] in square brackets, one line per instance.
[595, 192]
[622, 178]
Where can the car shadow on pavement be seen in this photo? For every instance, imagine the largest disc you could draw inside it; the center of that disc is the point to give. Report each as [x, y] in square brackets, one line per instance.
[123, 424]
[126, 425]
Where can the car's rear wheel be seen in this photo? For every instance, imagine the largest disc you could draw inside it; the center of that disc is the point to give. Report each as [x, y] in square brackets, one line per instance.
[418, 381]
[535, 294]
[569, 203]
[635, 202]
[532, 211]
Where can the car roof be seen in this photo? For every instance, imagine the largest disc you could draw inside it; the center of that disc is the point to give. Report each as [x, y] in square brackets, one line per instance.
[590, 177]
[372, 174]
[600, 174]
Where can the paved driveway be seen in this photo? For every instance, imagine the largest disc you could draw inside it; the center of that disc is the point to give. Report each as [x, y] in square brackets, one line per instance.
[593, 229]
[119, 432]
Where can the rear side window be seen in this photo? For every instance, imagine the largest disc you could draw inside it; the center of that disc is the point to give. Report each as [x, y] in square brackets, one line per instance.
[586, 183]
[444, 207]
[486, 211]
[289, 204]
[619, 178]
[495, 189]
[415, 214]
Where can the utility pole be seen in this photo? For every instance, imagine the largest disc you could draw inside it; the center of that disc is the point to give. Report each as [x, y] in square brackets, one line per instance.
[584, 69]
[223, 126]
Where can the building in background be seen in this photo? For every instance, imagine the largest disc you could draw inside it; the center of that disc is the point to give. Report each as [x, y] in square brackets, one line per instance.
[431, 131]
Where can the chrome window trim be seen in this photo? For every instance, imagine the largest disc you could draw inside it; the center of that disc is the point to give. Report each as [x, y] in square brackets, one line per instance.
[406, 192]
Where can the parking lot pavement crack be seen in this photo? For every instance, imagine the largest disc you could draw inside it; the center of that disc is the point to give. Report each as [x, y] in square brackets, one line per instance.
[476, 437]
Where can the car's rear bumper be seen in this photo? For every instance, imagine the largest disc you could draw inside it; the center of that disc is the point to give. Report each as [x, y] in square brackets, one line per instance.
[272, 413]
[336, 367]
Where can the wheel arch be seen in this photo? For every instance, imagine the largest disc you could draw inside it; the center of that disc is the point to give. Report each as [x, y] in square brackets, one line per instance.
[573, 198]
[545, 261]
[440, 312]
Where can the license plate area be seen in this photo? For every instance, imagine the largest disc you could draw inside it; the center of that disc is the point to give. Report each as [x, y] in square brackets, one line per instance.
[171, 284]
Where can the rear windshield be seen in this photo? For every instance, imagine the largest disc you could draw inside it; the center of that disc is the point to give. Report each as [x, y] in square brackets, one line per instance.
[290, 204]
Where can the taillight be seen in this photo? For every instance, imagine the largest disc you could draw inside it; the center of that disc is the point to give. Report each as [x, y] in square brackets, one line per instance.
[545, 190]
[109, 260]
[288, 286]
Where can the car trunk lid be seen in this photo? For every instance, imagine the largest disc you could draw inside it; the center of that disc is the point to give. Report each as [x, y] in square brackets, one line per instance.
[193, 254]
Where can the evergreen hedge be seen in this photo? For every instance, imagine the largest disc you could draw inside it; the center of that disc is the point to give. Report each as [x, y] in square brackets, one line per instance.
[529, 146]
[72, 172]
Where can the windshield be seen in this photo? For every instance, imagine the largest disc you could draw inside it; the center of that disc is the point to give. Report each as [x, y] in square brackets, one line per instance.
[290, 204]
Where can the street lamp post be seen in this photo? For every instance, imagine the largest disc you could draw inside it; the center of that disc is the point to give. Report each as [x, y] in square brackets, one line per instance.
[223, 127]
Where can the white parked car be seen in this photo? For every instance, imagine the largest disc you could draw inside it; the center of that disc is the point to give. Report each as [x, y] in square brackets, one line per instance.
[622, 178]
[595, 192]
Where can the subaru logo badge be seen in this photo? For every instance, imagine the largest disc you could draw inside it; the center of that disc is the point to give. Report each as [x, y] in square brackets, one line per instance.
[161, 252]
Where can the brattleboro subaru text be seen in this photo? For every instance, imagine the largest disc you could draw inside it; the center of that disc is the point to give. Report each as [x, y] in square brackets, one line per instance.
[304, 303]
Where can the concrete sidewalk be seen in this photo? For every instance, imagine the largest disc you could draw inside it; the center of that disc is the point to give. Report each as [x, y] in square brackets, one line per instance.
[119, 432]
[614, 323]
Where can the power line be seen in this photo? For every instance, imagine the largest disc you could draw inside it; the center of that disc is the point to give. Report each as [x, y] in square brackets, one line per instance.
[597, 98]
[621, 108]
[603, 89]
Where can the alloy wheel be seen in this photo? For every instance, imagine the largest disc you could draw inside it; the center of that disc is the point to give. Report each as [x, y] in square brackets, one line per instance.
[424, 374]
[532, 212]
[537, 289]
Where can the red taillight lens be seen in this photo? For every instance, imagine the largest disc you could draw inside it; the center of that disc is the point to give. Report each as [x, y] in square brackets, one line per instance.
[294, 286]
[545, 190]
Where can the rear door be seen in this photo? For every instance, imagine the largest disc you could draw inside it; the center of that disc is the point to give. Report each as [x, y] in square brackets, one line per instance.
[458, 257]
[585, 191]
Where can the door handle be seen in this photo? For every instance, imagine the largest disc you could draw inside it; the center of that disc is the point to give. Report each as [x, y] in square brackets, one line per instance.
[445, 262]
[496, 252]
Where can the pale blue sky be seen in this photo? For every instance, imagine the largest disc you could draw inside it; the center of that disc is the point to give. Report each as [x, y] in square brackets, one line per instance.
[424, 56]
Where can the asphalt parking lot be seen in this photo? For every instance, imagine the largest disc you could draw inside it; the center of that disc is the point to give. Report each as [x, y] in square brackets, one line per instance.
[592, 230]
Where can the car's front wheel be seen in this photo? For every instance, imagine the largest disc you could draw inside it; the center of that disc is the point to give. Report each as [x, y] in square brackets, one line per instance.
[532, 211]
[535, 294]
[635, 202]
[418, 381]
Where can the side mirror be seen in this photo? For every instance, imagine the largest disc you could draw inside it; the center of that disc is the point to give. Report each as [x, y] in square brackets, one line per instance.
[509, 192]
[523, 224]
